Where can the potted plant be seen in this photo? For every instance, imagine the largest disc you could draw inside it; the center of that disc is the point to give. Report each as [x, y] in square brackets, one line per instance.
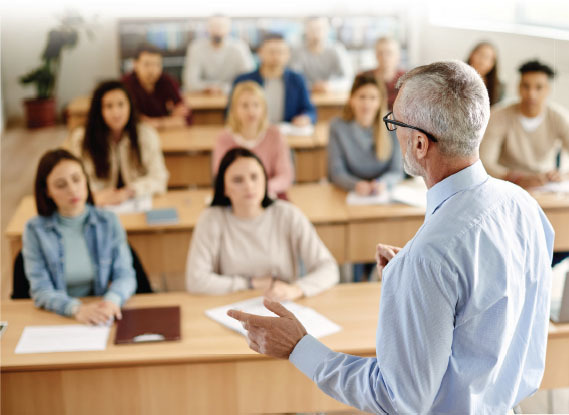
[41, 110]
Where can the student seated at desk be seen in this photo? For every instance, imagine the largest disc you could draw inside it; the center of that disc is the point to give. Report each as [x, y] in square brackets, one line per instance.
[73, 249]
[326, 66]
[248, 126]
[246, 240]
[484, 58]
[388, 55]
[522, 140]
[213, 62]
[287, 95]
[156, 94]
[123, 158]
[362, 155]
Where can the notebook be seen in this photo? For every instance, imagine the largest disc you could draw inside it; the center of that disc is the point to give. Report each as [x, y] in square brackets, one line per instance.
[167, 216]
[150, 324]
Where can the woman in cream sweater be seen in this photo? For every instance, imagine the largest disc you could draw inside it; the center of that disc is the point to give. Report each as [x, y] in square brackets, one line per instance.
[246, 240]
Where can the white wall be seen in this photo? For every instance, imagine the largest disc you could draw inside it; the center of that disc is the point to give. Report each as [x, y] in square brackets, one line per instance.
[23, 40]
[436, 43]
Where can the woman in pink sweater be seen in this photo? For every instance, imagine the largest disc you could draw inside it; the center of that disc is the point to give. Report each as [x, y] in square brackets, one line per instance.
[248, 126]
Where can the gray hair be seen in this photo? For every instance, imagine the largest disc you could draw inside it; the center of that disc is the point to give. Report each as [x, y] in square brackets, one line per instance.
[449, 100]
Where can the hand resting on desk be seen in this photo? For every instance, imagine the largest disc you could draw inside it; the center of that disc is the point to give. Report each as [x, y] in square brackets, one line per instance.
[97, 313]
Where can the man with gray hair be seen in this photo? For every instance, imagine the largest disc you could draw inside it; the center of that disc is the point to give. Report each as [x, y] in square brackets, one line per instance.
[464, 307]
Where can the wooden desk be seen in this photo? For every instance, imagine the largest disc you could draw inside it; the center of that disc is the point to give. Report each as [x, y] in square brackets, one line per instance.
[187, 154]
[210, 109]
[76, 111]
[350, 232]
[210, 371]
[207, 109]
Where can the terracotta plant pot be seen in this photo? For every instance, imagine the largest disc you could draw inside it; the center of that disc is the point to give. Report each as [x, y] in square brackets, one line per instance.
[40, 112]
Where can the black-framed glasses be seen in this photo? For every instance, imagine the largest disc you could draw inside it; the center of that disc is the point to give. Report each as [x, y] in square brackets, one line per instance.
[391, 124]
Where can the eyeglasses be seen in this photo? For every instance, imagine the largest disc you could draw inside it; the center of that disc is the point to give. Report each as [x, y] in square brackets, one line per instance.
[391, 124]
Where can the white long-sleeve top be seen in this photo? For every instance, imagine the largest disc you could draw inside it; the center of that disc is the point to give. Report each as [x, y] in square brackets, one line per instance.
[226, 251]
[150, 178]
[208, 66]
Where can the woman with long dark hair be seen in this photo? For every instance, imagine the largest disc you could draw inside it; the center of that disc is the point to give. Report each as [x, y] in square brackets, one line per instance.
[246, 240]
[122, 157]
[484, 59]
[74, 249]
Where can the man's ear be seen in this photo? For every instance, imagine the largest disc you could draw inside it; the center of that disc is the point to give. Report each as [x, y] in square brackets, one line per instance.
[420, 145]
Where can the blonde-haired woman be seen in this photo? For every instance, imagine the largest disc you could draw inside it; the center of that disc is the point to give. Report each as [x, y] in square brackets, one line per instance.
[362, 155]
[248, 126]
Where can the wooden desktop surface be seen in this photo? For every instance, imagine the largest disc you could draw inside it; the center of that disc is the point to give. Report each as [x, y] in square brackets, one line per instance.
[209, 362]
[210, 370]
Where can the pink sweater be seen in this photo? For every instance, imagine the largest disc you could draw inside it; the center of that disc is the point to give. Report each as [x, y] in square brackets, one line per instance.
[271, 148]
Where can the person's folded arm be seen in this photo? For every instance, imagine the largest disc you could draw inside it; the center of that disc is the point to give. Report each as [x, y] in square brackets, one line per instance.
[156, 178]
[395, 172]
[321, 268]
[284, 171]
[337, 170]
[343, 77]
[36, 268]
[491, 146]
[306, 105]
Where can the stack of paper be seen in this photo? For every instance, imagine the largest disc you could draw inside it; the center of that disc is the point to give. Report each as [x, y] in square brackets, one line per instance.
[135, 205]
[315, 323]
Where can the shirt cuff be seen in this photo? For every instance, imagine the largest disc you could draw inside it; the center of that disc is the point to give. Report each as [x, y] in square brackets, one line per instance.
[113, 298]
[308, 354]
[72, 307]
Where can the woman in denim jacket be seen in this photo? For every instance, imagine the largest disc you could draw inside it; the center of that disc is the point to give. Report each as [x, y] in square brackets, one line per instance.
[73, 249]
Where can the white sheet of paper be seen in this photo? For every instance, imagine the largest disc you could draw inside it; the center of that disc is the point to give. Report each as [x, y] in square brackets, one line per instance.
[291, 129]
[410, 195]
[355, 199]
[66, 338]
[135, 205]
[315, 323]
[554, 187]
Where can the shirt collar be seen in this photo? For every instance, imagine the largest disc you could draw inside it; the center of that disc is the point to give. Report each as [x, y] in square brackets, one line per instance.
[466, 178]
[50, 222]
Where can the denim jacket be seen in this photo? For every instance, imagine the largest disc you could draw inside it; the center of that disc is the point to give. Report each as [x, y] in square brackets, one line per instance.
[44, 260]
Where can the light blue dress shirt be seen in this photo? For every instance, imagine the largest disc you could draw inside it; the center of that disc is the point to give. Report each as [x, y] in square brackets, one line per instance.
[464, 309]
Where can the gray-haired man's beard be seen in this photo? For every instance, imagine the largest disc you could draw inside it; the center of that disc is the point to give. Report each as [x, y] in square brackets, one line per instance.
[410, 165]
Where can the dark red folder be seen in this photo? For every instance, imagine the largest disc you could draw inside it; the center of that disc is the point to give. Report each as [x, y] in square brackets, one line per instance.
[140, 325]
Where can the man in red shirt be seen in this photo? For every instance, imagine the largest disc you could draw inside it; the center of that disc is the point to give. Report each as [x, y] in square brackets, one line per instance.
[156, 94]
